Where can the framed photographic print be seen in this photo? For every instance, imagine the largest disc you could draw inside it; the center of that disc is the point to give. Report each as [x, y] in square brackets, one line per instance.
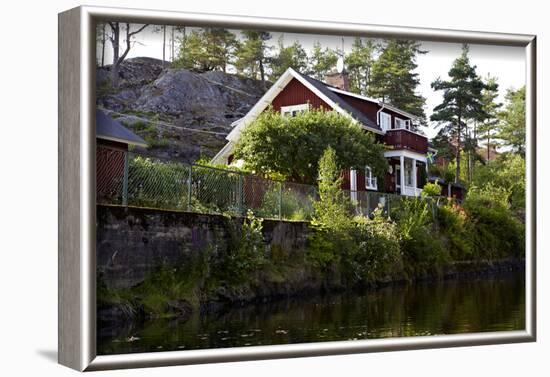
[236, 188]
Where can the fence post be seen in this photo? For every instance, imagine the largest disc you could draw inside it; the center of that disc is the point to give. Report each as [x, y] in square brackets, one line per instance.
[368, 203]
[280, 200]
[189, 187]
[241, 194]
[125, 179]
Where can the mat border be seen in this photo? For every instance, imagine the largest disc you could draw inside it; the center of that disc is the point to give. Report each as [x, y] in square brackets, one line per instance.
[76, 211]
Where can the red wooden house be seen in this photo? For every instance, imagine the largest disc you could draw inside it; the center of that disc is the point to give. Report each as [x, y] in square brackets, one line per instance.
[407, 150]
[112, 141]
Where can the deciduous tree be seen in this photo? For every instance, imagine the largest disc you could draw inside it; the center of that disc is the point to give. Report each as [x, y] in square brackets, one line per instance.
[118, 58]
[292, 146]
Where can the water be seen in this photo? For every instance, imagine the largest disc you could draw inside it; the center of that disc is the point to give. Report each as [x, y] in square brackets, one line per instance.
[447, 307]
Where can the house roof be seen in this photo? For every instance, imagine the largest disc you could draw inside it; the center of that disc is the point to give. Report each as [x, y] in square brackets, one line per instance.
[108, 128]
[329, 94]
[327, 91]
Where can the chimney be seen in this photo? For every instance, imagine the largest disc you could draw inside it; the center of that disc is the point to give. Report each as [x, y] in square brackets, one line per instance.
[339, 80]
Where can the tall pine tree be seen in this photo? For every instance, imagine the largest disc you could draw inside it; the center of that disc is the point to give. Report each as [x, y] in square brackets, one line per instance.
[207, 49]
[252, 54]
[393, 78]
[293, 56]
[359, 65]
[321, 61]
[487, 126]
[461, 101]
[511, 129]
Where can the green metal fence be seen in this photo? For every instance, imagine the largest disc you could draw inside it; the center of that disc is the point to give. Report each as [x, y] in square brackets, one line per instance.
[131, 179]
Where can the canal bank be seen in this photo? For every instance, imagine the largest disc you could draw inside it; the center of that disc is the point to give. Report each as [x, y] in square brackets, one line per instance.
[493, 301]
[165, 264]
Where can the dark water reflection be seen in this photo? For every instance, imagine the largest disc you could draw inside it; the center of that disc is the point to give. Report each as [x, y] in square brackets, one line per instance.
[447, 307]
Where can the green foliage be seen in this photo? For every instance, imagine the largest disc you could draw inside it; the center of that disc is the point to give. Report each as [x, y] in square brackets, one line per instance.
[292, 205]
[155, 184]
[455, 229]
[506, 172]
[495, 233]
[462, 95]
[365, 249]
[293, 56]
[511, 129]
[359, 64]
[292, 146]
[333, 207]
[206, 49]
[394, 79]
[245, 254]
[491, 108]
[251, 54]
[431, 189]
[321, 61]
[332, 218]
[421, 246]
[378, 252]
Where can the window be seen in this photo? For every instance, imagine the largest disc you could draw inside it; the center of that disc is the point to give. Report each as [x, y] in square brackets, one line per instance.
[294, 109]
[402, 123]
[385, 121]
[408, 173]
[370, 180]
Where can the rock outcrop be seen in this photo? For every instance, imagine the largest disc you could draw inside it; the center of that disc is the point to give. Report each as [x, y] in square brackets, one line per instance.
[180, 113]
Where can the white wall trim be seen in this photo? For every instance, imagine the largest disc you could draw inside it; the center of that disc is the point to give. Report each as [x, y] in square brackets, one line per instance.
[405, 153]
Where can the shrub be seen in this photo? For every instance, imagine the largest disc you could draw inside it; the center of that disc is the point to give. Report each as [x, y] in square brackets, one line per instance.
[495, 231]
[157, 184]
[431, 189]
[378, 253]
[245, 254]
[455, 228]
[421, 246]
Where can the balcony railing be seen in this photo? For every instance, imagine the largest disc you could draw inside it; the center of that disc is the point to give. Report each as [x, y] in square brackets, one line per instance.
[404, 139]
[411, 191]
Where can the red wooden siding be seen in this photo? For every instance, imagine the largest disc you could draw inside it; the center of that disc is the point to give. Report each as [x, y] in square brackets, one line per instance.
[369, 109]
[109, 169]
[295, 93]
[346, 183]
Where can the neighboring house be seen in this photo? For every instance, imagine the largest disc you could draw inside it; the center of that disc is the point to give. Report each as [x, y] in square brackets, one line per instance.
[407, 150]
[112, 142]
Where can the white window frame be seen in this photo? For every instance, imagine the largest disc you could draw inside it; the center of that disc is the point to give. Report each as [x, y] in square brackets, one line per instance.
[402, 124]
[371, 182]
[294, 110]
[385, 121]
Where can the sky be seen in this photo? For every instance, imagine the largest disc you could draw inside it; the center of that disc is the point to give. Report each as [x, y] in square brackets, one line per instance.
[505, 63]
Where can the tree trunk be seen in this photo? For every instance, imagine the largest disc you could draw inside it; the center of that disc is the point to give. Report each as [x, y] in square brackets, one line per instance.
[103, 46]
[488, 146]
[163, 45]
[262, 73]
[115, 41]
[172, 48]
[457, 177]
